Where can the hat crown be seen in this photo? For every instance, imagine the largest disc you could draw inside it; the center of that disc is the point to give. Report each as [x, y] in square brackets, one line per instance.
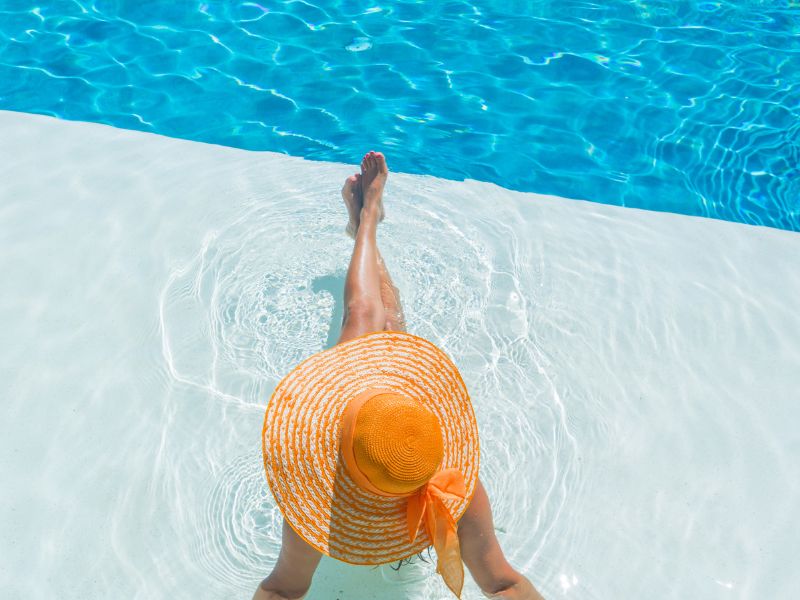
[397, 442]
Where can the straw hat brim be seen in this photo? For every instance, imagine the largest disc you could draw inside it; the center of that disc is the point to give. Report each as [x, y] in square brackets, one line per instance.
[300, 443]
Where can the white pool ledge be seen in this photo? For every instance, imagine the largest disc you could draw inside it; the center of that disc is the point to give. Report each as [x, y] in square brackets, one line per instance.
[636, 375]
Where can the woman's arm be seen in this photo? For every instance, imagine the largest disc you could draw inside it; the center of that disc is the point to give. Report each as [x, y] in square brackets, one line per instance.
[262, 594]
[480, 550]
[483, 556]
[291, 577]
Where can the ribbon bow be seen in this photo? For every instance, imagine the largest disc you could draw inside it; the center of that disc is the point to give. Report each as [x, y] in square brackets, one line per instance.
[428, 504]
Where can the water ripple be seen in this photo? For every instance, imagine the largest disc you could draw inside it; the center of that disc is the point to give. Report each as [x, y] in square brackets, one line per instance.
[241, 526]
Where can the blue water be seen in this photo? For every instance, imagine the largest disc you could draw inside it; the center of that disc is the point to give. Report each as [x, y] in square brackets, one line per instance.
[689, 107]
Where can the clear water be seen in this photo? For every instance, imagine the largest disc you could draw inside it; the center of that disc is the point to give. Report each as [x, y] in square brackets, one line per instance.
[634, 373]
[689, 107]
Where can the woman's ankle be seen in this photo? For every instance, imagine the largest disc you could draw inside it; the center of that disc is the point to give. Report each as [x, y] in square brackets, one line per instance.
[370, 213]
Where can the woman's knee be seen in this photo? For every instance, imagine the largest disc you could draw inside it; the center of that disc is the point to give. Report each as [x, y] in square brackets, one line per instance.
[394, 322]
[366, 313]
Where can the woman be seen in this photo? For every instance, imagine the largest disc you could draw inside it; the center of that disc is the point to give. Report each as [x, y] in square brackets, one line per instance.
[442, 501]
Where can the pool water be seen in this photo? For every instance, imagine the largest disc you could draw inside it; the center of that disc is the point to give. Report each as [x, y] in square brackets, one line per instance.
[634, 373]
[688, 107]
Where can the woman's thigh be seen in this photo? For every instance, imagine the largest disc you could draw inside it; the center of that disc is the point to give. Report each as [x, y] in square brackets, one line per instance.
[353, 326]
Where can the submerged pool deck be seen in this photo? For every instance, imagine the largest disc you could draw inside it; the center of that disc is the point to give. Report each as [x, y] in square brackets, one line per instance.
[635, 374]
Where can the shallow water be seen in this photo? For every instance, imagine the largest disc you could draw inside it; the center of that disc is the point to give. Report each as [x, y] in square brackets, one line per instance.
[688, 107]
[634, 374]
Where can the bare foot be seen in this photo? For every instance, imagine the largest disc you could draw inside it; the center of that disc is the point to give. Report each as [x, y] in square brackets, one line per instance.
[373, 179]
[354, 199]
[351, 192]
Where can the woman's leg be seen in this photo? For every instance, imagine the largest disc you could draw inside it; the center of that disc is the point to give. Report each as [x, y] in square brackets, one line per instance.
[390, 295]
[363, 304]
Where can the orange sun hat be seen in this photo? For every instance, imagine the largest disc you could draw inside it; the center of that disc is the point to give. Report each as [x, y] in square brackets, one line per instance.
[371, 451]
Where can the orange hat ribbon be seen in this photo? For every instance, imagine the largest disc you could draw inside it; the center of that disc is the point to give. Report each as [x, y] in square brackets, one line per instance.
[428, 504]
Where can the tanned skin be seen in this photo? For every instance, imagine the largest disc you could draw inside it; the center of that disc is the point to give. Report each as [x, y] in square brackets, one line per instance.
[372, 303]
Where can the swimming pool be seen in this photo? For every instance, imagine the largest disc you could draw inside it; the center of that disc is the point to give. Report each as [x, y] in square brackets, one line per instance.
[689, 107]
[634, 372]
